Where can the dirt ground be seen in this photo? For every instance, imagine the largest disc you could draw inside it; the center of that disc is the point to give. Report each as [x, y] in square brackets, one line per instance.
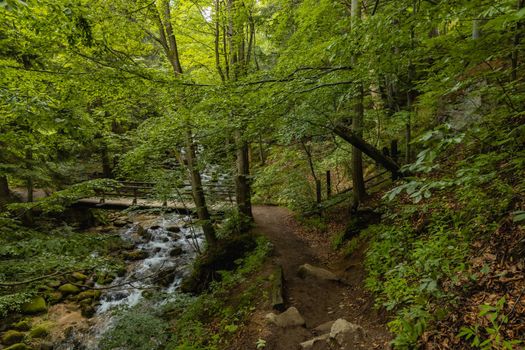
[317, 300]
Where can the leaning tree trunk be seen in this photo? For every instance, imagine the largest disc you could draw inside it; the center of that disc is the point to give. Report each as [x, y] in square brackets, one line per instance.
[198, 191]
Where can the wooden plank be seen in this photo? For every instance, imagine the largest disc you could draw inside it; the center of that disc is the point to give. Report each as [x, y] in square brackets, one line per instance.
[277, 289]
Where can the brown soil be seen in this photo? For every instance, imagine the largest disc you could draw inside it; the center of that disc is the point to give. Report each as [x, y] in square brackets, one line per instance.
[318, 301]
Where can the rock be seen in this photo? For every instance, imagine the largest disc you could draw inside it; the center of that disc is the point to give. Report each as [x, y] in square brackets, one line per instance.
[41, 330]
[54, 297]
[105, 279]
[19, 346]
[135, 255]
[175, 236]
[69, 289]
[54, 283]
[120, 223]
[85, 302]
[289, 318]
[324, 327]
[173, 228]
[176, 251]
[87, 311]
[346, 333]
[154, 227]
[35, 306]
[310, 343]
[23, 325]
[12, 337]
[121, 271]
[78, 276]
[317, 272]
[89, 294]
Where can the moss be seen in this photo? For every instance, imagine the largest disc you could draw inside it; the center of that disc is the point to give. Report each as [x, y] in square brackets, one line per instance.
[69, 288]
[79, 276]
[41, 330]
[105, 279]
[35, 306]
[135, 255]
[89, 294]
[85, 302]
[12, 337]
[54, 297]
[23, 325]
[18, 346]
[54, 283]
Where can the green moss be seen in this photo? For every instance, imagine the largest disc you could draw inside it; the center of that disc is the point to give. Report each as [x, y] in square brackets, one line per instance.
[54, 297]
[41, 330]
[89, 294]
[69, 288]
[35, 306]
[12, 337]
[79, 276]
[23, 325]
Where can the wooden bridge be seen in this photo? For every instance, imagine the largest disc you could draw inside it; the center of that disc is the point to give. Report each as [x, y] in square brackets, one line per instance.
[127, 194]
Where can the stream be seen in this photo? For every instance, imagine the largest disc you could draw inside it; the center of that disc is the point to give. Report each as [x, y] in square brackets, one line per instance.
[169, 245]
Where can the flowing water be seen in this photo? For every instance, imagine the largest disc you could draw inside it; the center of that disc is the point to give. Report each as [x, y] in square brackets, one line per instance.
[171, 244]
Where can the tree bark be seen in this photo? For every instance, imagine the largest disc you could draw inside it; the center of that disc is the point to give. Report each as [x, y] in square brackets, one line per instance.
[106, 164]
[198, 192]
[4, 191]
[349, 136]
[359, 192]
[29, 160]
[243, 191]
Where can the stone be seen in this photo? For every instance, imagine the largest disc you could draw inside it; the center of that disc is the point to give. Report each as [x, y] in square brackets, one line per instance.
[41, 330]
[105, 279]
[78, 276]
[23, 325]
[175, 236]
[324, 327]
[317, 272]
[176, 251]
[310, 343]
[69, 289]
[18, 346]
[346, 333]
[85, 302]
[54, 283]
[87, 311]
[89, 294]
[54, 297]
[35, 306]
[120, 223]
[173, 229]
[154, 227]
[12, 337]
[135, 255]
[289, 318]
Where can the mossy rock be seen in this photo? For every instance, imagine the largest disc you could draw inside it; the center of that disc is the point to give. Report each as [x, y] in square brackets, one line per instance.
[217, 258]
[23, 325]
[87, 311]
[105, 279]
[54, 283]
[18, 346]
[121, 271]
[85, 302]
[89, 294]
[35, 306]
[41, 330]
[12, 337]
[135, 255]
[79, 276]
[69, 289]
[54, 297]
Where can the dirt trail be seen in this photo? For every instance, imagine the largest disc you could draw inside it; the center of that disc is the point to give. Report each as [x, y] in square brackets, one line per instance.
[317, 300]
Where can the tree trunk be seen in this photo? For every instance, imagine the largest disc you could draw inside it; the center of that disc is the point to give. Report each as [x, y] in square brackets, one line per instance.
[198, 191]
[106, 165]
[359, 192]
[29, 160]
[242, 182]
[349, 136]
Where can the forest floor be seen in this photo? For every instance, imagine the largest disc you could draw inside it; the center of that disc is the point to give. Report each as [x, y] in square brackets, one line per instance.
[318, 301]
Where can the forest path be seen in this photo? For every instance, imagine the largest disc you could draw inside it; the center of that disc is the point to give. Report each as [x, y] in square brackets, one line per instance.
[318, 301]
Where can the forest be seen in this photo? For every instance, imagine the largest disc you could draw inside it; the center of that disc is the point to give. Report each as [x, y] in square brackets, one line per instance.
[262, 174]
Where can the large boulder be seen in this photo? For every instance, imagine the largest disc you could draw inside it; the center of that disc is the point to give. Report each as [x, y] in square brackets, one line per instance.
[346, 333]
[35, 306]
[69, 289]
[289, 318]
[317, 272]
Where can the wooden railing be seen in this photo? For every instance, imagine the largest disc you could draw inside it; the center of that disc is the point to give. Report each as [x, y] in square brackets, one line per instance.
[145, 190]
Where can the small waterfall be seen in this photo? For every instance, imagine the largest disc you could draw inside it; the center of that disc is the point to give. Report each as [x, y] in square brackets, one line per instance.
[169, 246]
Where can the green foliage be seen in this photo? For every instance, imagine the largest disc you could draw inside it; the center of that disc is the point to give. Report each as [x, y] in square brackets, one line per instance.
[492, 336]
